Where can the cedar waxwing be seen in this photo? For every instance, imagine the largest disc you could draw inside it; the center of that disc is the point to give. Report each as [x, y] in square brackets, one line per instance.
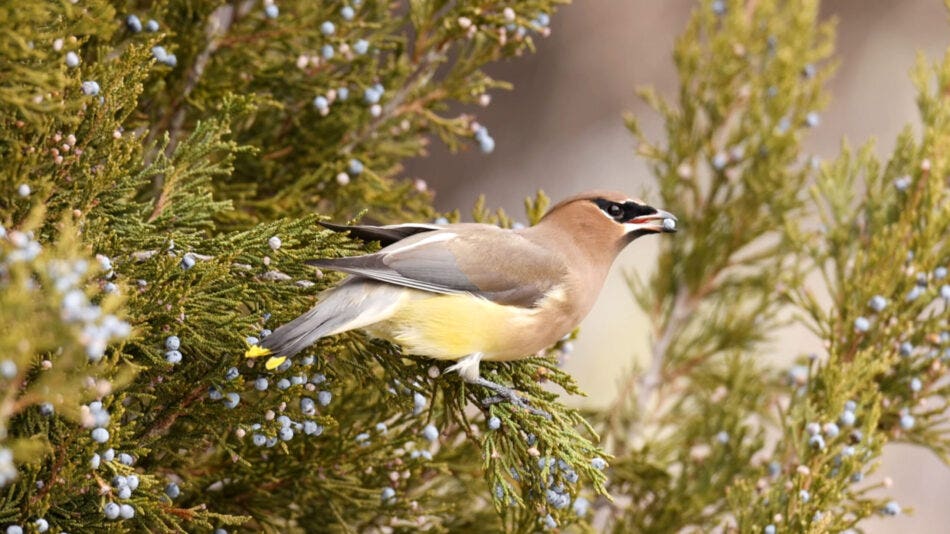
[471, 292]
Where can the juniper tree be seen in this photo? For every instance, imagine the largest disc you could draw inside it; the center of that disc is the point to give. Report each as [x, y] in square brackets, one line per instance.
[165, 168]
[710, 434]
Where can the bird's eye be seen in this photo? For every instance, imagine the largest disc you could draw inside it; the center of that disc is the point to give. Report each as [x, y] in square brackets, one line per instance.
[614, 210]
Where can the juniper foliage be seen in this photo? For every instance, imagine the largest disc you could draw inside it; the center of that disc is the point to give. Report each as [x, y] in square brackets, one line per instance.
[165, 166]
[710, 434]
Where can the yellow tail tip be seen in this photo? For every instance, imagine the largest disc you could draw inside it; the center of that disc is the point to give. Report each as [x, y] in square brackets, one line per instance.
[274, 363]
[256, 351]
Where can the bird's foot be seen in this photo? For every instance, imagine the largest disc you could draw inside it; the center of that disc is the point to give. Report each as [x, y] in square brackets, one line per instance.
[505, 393]
[467, 368]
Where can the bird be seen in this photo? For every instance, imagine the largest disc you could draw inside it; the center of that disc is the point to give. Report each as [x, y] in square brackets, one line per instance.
[471, 292]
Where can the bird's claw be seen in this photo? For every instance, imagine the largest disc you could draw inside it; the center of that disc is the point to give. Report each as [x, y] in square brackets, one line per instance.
[494, 399]
[467, 368]
[508, 394]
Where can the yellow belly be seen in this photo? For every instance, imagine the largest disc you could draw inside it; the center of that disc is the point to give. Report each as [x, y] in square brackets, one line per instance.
[453, 326]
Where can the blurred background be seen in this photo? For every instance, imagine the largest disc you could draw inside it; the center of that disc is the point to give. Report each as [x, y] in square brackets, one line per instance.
[561, 130]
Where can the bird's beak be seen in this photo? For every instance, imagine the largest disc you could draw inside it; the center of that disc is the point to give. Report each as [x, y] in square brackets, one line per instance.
[661, 221]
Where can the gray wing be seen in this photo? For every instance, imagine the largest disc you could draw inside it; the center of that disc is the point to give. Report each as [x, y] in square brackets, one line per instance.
[355, 303]
[386, 235]
[499, 265]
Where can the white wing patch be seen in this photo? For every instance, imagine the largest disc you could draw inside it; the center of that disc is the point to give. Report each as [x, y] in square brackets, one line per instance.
[434, 238]
[414, 225]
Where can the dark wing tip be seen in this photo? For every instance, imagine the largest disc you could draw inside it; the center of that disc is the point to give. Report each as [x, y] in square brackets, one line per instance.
[386, 235]
[319, 262]
[335, 227]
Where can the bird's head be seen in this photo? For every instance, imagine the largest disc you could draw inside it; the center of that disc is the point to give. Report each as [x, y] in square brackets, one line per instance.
[611, 215]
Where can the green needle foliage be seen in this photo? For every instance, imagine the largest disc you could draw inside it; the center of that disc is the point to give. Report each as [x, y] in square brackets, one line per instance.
[164, 167]
[710, 434]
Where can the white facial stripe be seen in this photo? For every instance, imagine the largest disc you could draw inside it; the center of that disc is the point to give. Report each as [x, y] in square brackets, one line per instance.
[649, 225]
[604, 213]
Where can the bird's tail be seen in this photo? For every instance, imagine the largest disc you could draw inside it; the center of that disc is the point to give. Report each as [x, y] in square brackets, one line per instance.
[355, 303]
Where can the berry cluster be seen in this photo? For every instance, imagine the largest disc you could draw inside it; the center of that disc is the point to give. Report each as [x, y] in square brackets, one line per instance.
[336, 48]
[134, 24]
[96, 416]
[97, 330]
[276, 428]
[353, 168]
[485, 142]
[122, 486]
[172, 354]
[163, 56]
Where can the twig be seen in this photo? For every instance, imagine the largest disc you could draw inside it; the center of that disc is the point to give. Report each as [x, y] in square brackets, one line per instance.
[682, 308]
[219, 22]
[56, 467]
[684, 305]
[418, 78]
[160, 426]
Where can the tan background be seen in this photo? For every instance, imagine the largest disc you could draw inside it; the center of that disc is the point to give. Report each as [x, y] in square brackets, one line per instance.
[561, 130]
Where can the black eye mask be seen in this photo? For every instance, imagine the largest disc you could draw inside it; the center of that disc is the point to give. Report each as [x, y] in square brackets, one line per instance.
[623, 212]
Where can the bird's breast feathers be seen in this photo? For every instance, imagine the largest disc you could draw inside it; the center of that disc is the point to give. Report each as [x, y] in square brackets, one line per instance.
[453, 326]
